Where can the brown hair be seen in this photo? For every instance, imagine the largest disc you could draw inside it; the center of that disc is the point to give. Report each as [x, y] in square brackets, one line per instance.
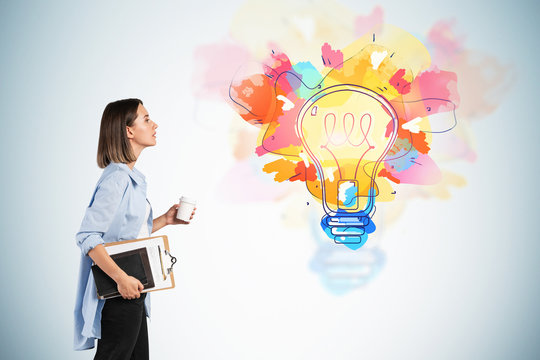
[113, 144]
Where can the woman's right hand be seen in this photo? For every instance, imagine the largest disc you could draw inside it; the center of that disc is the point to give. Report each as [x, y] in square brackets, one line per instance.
[129, 287]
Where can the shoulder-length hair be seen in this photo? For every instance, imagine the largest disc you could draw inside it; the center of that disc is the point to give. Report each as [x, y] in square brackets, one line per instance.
[113, 144]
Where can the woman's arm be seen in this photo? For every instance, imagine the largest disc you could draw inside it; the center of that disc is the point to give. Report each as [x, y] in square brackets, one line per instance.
[97, 220]
[128, 286]
[169, 218]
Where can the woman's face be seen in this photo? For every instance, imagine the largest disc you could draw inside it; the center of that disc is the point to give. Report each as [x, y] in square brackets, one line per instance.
[143, 132]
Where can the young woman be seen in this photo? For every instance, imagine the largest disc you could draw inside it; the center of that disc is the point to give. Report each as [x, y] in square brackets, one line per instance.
[118, 210]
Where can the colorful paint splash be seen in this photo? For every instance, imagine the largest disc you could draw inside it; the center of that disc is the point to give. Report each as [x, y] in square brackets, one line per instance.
[351, 126]
[301, 32]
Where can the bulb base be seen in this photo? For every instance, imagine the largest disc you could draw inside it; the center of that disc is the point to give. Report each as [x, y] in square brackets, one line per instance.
[351, 231]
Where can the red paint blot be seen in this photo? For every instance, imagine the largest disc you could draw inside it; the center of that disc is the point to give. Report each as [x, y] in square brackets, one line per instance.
[388, 175]
[399, 83]
[303, 173]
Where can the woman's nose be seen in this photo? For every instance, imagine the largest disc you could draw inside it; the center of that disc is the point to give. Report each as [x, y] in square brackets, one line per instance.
[155, 125]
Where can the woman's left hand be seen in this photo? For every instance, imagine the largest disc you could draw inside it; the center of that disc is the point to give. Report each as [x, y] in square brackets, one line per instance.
[170, 216]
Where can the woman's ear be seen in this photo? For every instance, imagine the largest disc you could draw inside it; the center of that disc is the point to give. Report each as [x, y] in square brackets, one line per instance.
[129, 132]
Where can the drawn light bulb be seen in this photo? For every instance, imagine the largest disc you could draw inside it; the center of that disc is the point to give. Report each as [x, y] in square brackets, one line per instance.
[347, 130]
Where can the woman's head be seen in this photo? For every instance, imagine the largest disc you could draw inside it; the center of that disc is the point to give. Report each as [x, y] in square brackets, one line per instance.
[126, 129]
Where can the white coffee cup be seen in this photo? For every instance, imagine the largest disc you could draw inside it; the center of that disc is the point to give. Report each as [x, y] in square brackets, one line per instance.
[186, 208]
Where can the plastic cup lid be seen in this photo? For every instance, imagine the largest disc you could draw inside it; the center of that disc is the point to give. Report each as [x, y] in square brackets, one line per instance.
[188, 200]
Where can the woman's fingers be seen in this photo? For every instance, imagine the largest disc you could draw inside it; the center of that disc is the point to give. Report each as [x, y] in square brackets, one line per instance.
[130, 287]
[174, 220]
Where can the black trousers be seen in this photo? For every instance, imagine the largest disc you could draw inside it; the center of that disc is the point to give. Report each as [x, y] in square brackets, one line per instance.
[124, 334]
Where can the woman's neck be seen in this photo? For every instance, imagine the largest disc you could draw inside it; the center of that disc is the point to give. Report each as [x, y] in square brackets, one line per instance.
[136, 151]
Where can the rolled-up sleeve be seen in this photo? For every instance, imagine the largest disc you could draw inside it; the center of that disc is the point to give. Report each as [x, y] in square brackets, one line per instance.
[101, 211]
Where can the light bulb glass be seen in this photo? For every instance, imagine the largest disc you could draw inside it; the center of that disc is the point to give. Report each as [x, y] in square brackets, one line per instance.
[347, 130]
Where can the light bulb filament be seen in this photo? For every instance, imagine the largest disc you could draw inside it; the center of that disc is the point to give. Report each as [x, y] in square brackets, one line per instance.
[349, 122]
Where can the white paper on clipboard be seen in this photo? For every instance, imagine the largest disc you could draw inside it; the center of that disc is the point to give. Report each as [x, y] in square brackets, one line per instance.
[161, 262]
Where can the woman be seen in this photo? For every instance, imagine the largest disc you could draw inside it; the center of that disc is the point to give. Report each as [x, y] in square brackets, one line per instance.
[118, 210]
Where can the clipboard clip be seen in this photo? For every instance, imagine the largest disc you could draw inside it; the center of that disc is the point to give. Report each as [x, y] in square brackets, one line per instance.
[173, 261]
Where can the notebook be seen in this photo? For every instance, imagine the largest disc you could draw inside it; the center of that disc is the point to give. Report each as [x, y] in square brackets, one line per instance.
[134, 262]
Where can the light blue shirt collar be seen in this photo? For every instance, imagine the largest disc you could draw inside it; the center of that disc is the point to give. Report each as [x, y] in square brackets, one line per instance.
[135, 174]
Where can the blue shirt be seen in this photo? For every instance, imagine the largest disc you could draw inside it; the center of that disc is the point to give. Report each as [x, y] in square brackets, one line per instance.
[116, 212]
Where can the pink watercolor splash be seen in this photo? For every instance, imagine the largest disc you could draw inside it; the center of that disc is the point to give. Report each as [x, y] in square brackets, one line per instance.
[364, 24]
[214, 65]
[332, 58]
